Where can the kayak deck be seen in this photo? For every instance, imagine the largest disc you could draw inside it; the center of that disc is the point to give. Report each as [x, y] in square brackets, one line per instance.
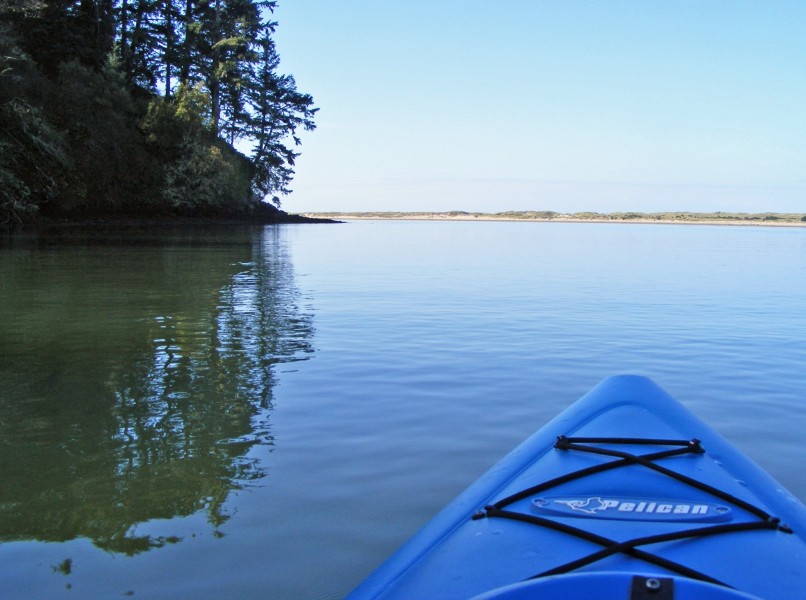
[625, 482]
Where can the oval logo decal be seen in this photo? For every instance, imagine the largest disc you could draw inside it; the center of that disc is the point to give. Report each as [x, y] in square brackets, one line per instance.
[632, 509]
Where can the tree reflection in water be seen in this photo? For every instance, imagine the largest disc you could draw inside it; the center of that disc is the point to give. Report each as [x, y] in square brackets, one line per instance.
[136, 377]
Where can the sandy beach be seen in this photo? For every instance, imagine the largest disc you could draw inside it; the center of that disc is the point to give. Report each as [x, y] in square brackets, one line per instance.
[732, 219]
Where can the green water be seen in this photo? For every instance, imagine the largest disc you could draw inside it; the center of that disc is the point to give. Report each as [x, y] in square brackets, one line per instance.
[136, 375]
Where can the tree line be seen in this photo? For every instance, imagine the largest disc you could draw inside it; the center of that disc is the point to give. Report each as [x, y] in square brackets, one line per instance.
[136, 107]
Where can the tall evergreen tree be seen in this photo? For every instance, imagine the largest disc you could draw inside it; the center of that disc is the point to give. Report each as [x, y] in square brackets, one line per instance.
[140, 41]
[278, 110]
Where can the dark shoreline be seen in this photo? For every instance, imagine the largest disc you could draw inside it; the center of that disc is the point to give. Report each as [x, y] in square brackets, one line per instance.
[151, 223]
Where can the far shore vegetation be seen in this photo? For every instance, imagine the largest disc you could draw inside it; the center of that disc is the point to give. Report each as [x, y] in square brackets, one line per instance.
[725, 218]
[136, 109]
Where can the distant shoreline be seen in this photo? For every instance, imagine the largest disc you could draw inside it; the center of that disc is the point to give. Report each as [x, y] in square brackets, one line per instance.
[667, 218]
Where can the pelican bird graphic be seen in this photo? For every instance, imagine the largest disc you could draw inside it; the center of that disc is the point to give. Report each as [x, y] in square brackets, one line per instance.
[590, 506]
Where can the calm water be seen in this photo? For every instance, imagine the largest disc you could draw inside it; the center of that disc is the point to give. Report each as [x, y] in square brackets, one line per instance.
[269, 413]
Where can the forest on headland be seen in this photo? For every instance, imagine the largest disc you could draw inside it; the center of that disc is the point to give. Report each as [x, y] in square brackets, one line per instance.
[145, 108]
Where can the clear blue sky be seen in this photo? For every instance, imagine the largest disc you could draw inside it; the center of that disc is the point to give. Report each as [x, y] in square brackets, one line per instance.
[564, 105]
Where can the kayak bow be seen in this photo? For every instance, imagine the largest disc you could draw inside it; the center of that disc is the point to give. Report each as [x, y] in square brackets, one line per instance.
[626, 495]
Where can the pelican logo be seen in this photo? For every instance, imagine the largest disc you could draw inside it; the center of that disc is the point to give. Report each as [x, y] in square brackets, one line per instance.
[589, 506]
[632, 509]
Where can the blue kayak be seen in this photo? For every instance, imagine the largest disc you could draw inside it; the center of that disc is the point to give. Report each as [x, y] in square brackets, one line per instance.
[624, 495]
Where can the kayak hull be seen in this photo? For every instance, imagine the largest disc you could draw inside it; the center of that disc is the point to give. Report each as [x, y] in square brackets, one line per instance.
[468, 550]
[614, 585]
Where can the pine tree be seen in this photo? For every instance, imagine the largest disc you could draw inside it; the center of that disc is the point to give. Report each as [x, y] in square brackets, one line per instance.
[278, 111]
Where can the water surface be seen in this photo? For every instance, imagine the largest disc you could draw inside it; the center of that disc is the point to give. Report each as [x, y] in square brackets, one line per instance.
[270, 412]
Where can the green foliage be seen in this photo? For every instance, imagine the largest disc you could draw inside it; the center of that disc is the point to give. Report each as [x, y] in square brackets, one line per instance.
[55, 31]
[34, 155]
[193, 105]
[83, 131]
[207, 179]
[201, 174]
[170, 122]
[113, 168]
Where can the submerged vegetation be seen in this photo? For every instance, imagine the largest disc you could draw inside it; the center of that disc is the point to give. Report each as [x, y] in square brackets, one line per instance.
[634, 217]
[136, 108]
